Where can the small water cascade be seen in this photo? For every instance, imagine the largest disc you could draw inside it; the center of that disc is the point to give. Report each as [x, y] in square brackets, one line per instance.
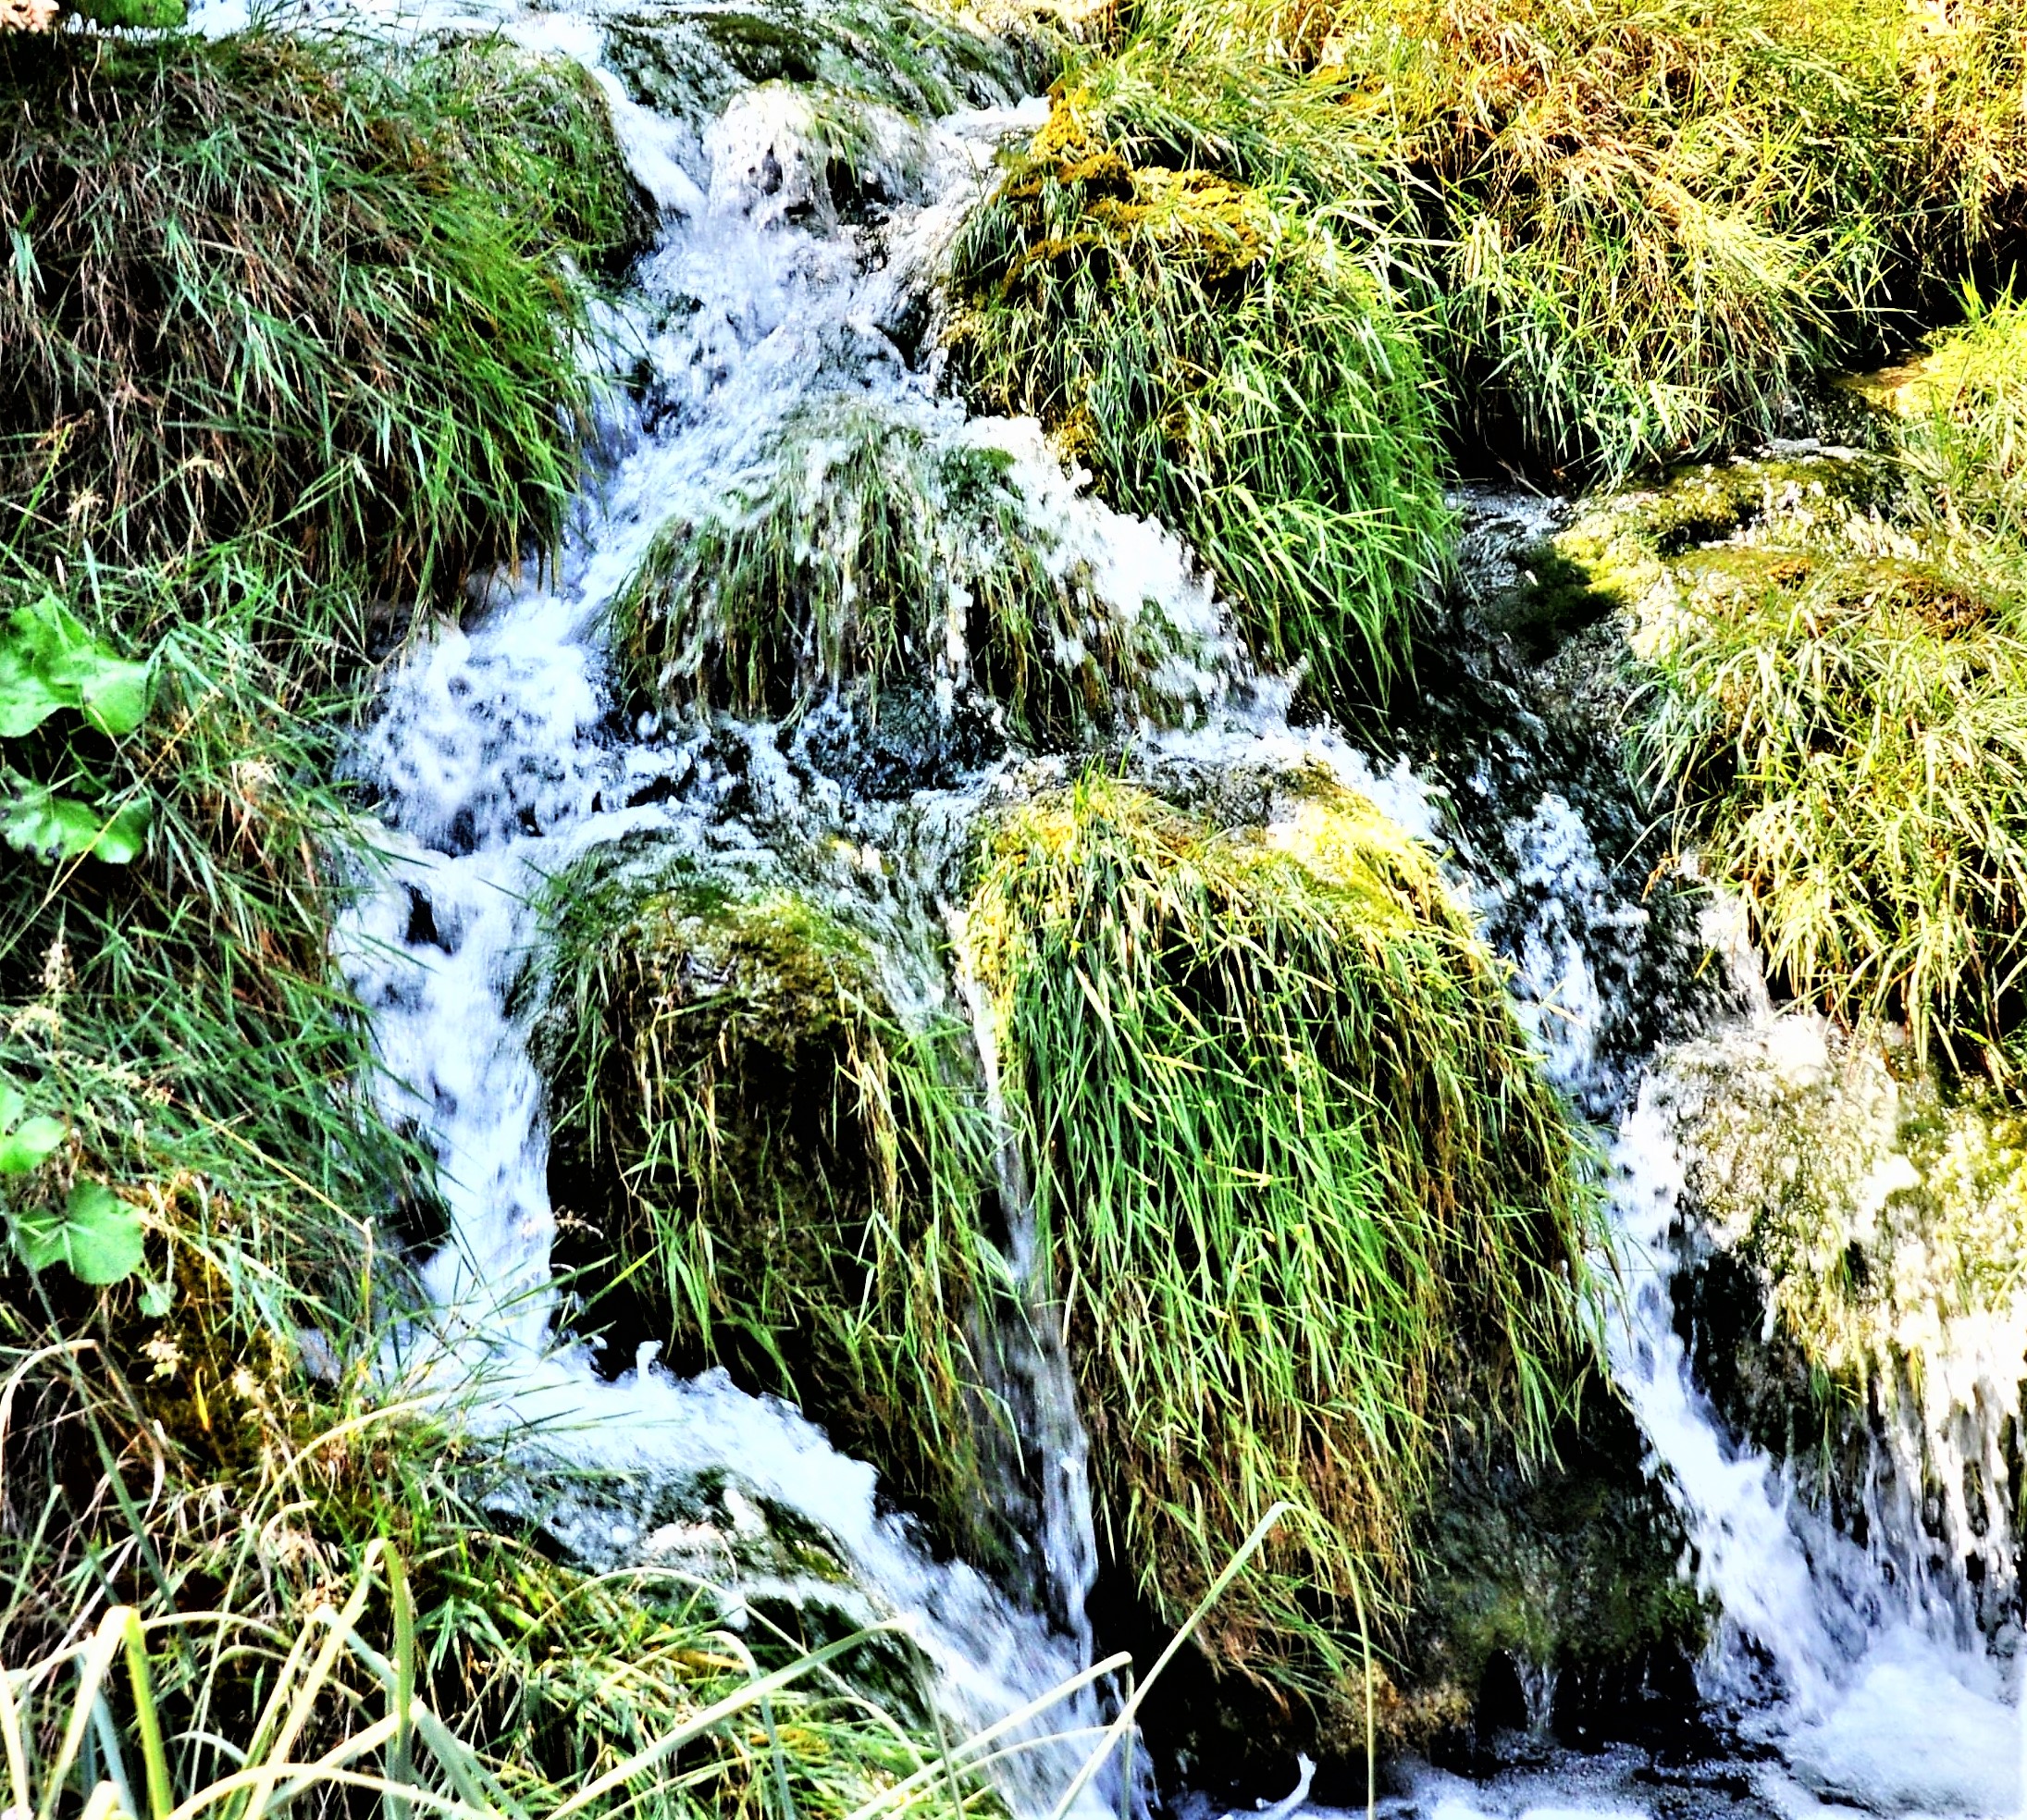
[499, 754]
[1850, 1672]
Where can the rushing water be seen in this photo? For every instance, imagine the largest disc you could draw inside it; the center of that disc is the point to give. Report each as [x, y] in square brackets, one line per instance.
[497, 755]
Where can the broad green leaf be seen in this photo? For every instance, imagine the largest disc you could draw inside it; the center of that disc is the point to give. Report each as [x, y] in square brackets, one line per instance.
[12, 1105]
[35, 819]
[157, 1299]
[49, 661]
[97, 1234]
[23, 1148]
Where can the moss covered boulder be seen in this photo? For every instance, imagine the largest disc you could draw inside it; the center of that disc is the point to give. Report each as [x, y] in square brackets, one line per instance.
[758, 1163]
[1860, 1301]
[1303, 1187]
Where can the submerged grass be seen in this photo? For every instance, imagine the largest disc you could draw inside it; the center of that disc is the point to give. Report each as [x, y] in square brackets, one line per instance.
[870, 557]
[269, 281]
[787, 1175]
[1300, 1180]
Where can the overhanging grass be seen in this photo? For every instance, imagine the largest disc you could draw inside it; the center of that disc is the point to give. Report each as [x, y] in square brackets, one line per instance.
[1300, 1180]
[1223, 360]
[788, 1177]
[292, 282]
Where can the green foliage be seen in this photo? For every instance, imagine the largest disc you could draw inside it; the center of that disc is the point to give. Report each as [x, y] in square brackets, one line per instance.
[289, 282]
[1224, 360]
[96, 1234]
[867, 557]
[1630, 231]
[787, 1175]
[1301, 1179]
[49, 661]
[147, 15]
[1849, 740]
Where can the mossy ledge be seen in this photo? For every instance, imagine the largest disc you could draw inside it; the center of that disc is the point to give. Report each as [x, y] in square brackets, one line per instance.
[1303, 1186]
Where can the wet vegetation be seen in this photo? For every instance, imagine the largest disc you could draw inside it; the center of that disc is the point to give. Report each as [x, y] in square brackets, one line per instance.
[289, 339]
[786, 1177]
[292, 340]
[1302, 1184]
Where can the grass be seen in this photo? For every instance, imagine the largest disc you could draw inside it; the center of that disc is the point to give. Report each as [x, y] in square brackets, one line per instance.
[1610, 233]
[1223, 360]
[1301, 1183]
[288, 284]
[1848, 742]
[788, 1177]
[871, 557]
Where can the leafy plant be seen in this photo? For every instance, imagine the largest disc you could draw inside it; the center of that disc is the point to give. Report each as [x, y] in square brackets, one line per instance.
[95, 1234]
[49, 662]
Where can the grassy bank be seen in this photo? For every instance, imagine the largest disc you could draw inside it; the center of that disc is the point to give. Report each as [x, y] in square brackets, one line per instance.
[289, 343]
[1261, 260]
[298, 285]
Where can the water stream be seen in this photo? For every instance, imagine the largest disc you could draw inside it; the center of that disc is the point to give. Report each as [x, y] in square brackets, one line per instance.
[499, 754]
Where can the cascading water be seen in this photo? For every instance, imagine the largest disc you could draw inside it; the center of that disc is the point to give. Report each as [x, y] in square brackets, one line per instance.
[1848, 1673]
[499, 757]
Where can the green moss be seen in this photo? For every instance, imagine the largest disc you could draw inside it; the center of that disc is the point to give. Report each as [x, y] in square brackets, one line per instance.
[1301, 1182]
[756, 1162]
[1224, 360]
[1575, 1565]
[280, 282]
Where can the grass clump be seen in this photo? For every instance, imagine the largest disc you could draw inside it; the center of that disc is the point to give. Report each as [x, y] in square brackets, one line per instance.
[788, 1175]
[870, 557]
[1224, 360]
[1300, 1180]
[276, 282]
[1849, 741]
[1625, 232]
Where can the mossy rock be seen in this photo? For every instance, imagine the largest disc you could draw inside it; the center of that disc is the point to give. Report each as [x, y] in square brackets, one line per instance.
[1864, 1287]
[1574, 1569]
[1302, 1188]
[759, 1164]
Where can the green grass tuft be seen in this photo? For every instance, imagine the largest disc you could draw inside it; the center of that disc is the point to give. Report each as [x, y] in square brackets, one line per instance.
[787, 1175]
[1302, 1181]
[288, 283]
[1223, 360]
